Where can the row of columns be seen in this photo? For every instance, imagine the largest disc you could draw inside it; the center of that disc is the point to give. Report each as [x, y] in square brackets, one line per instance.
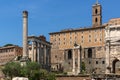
[42, 54]
[79, 61]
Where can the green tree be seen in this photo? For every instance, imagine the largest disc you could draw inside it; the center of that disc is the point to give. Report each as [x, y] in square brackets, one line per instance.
[31, 70]
[12, 69]
[51, 76]
[83, 67]
[8, 45]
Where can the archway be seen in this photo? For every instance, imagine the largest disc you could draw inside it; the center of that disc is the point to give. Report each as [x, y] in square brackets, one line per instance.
[70, 54]
[89, 53]
[114, 65]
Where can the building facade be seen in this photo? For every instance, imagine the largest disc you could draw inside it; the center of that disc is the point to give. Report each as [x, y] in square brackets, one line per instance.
[39, 51]
[73, 47]
[9, 53]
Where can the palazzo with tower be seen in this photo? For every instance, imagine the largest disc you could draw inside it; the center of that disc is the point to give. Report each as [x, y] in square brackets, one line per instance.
[96, 51]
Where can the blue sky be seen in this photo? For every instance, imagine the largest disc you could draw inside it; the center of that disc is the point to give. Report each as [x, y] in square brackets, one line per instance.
[47, 16]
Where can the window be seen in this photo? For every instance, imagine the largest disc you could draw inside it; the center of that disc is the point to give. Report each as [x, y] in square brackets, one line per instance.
[69, 54]
[89, 36]
[55, 56]
[95, 40]
[89, 53]
[89, 62]
[96, 62]
[69, 63]
[103, 62]
[89, 40]
[81, 36]
[96, 11]
[59, 43]
[96, 19]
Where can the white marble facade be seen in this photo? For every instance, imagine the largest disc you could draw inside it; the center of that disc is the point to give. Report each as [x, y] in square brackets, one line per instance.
[112, 41]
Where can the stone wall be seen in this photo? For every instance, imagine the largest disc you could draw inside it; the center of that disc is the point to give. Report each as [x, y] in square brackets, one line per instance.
[72, 78]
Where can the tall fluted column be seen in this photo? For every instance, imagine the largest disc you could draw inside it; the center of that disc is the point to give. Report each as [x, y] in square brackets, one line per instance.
[38, 52]
[33, 51]
[73, 70]
[78, 70]
[44, 54]
[25, 34]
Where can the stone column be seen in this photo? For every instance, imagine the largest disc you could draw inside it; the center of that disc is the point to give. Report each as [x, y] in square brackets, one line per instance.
[44, 54]
[33, 51]
[38, 52]
[73, 70]
[25, 34]
[78, 70]
[108, 57]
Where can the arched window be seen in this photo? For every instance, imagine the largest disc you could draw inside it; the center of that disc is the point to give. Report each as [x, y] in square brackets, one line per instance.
[96, 19]
[69, 54]
[89, 53]
[96, 11]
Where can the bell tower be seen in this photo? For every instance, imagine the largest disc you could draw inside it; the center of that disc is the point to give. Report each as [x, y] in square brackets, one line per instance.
[96, 15]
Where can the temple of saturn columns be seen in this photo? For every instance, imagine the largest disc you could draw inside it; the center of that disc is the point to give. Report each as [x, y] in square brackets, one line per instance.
[39, 50]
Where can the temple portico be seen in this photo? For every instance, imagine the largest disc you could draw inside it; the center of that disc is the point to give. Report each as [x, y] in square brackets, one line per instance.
[39, 51]
[76, 51]
[73, 59]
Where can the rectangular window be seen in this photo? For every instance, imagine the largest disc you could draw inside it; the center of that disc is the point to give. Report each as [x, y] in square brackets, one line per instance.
[103, 62]
[96, 62]
[89, 40]
[89, 62]
[82, 37]
[95, 40]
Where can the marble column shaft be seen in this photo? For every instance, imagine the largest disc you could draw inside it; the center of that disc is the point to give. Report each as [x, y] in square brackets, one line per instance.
[107, 57]
[25, 34]
[79, 61]
[45, 54]
[33, 57]
[38, 52]
[73, 70]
